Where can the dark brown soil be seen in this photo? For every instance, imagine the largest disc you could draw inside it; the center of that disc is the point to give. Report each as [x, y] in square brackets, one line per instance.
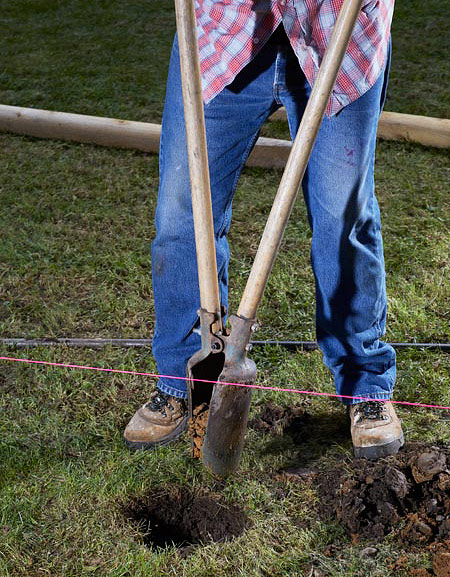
[408, 494]
[278, 420]
[176, 515]
[197, 428]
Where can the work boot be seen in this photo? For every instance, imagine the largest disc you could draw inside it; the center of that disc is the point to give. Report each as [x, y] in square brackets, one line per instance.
[161, 420]
[376, 429]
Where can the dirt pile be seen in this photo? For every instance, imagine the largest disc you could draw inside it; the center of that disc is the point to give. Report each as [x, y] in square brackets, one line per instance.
[197, 428]
[178, 516]
[441, 559]
[278, 420]
[408, 493]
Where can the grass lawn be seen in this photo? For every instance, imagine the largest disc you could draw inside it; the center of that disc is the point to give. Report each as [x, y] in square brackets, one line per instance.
[75, 226]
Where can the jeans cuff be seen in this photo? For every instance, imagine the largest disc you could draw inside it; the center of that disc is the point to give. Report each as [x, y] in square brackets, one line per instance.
[366, 397]
[179, 392]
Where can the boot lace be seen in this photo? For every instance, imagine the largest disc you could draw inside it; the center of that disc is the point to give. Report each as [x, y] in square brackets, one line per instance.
[159, 402]
[371, 410]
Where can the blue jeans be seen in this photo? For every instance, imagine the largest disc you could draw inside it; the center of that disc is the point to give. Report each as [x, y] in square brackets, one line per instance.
[338, 187]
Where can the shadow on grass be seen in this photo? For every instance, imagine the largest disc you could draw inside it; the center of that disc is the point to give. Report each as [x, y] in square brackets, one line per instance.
[315, 434]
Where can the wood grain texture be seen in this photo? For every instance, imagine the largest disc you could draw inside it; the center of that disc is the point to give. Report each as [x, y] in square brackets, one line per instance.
[144, 136]
[410, 127]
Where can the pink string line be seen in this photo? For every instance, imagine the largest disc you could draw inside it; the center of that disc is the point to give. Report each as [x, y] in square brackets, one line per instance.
[316, 393]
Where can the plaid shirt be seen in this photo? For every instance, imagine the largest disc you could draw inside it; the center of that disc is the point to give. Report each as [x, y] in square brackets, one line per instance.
[231, 33]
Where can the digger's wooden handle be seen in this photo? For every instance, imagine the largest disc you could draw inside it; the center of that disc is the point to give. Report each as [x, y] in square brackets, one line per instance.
[197, 155]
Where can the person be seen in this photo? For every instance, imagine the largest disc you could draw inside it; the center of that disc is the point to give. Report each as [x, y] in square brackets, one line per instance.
[256, 56]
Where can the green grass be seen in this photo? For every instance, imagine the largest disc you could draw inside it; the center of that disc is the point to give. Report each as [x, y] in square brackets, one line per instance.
[76, 224]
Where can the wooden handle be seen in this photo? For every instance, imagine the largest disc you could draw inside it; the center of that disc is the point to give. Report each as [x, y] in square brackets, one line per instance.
[198, 156]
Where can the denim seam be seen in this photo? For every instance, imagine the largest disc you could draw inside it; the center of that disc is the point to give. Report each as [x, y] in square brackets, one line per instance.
[171, 391]
[161, 155]
[276, 84]
[380, 254]
[373, 396]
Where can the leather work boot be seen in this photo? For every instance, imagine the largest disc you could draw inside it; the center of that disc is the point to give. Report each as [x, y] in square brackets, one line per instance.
[161, 420]
[376, 430]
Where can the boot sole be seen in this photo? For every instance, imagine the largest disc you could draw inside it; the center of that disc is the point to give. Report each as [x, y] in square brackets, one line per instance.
[375, 452]
[174, 435]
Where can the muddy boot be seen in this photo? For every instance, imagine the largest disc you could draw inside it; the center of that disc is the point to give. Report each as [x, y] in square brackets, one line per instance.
[161, 420]
[376, 429]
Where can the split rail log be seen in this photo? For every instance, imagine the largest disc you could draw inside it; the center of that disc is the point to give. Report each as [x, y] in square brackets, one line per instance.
[410, 127]
[144, 136]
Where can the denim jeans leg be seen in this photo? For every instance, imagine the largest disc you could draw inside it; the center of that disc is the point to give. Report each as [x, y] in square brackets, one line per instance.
[233, 120]
[347, 251]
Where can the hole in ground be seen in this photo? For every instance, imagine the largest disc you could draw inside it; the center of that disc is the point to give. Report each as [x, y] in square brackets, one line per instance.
[178, 516]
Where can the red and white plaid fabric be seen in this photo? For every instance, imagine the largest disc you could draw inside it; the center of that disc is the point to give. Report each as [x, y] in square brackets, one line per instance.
[231, 33]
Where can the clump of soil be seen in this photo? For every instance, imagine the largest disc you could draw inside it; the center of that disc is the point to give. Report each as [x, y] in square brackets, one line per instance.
[441, 563]
[278, 420]
[408, 493]
[197, 428]
[441, 559]
[176, 515]
[403, 566]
